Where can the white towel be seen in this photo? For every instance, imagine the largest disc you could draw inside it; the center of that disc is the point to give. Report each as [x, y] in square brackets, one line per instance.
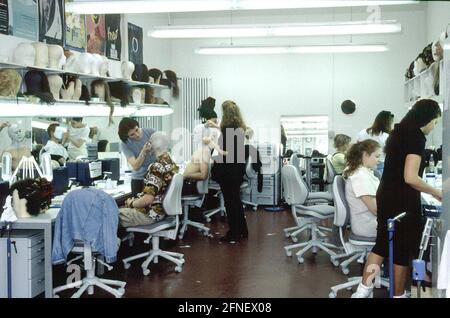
[443, 281]
[8, 212]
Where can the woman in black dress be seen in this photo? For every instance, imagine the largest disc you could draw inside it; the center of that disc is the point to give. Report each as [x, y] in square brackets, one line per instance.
[399, 191]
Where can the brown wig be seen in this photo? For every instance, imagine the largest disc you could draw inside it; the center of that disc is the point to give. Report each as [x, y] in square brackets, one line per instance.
[354, 155]
[107, 97]
[155, 74]
[38, 193]
[171, 80]
[382, 124]
[231, 117]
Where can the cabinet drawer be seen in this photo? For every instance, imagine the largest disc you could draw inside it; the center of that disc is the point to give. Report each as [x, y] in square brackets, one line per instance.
[37, 285]
[37, 266]
[37, 250]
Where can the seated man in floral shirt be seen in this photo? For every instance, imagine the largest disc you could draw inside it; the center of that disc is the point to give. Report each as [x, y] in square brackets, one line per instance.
[147, 207]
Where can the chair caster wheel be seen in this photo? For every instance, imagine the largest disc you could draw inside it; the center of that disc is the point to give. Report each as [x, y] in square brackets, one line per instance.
[55, 296]
[178, 269]
[335, 262]
[180, 236]
[332, 295]
[208, 220]
[286, 234]
[121, 291]
[205, 233]
[345, 271]
[126, 265]
[349, 288]
[146, 272]
[301, 260]
[255, 209]
[294, 239]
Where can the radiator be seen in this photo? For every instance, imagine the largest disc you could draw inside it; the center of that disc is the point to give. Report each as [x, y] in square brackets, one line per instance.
[193, 91]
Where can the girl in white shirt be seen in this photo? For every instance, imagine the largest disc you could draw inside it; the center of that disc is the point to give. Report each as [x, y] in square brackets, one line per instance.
[379, 131]
[361, 186]
[54, 146]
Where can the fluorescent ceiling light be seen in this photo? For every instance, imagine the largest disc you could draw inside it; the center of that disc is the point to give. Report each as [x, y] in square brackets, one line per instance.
[158, 6]
[297, 29]
[345, 48]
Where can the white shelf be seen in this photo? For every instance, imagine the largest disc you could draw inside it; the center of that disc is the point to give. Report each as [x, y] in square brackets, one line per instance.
[421, 86]
[21, 107]
[50, 71]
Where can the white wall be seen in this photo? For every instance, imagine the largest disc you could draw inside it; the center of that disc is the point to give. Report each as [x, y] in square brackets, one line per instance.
[438, 18]
[267, 87]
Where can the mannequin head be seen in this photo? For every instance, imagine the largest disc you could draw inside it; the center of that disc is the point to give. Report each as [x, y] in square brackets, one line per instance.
[55, 82]
[155, 74]
[127, 69]
[41, 59]
[98, 89]
[31, 196]
[140, 73]
[136, 94]
[16, 133]
[26, 198]
[171, 80]
[24, 54]
[67, 93]
[56, 57]
[10, 81]
[37, 82]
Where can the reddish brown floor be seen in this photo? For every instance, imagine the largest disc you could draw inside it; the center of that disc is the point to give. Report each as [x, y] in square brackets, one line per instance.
[257, 267]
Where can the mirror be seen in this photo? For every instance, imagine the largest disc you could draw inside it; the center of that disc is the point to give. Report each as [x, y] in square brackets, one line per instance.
[305, 134]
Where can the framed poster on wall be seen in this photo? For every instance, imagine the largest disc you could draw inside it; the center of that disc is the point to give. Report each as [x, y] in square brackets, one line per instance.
[95, 37]
[24, 19]
[113, 37]
[4, 17]
[135, 41]
[51, 21]
[75, 37]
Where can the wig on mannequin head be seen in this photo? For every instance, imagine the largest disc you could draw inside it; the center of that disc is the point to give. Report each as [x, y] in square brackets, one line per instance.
[155, 74]
[171, 80]
[122, 91]
[37, 192]
[10, 81]
[37, 85]
[150, 97]
[108, 101]
[206, 109]
[140, 73]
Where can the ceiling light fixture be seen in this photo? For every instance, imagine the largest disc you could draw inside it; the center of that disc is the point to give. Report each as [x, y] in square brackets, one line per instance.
[247, 50]
[296, 29]
[160, 6]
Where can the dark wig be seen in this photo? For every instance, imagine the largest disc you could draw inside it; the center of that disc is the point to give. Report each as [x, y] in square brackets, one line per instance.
[382, 124]
[37, 85]
[37, 192]
[171, 80]
[107, 97]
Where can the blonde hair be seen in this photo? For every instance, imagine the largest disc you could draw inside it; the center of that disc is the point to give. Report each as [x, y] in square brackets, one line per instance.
[231, 116]
[341, 141]
[10, 81]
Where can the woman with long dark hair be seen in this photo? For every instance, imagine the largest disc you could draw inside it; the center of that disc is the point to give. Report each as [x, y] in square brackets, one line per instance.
[399, 191]
[379, 131]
